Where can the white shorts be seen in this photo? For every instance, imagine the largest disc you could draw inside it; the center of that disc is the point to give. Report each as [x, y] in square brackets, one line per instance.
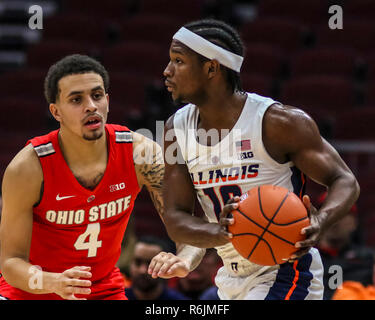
[301, 280]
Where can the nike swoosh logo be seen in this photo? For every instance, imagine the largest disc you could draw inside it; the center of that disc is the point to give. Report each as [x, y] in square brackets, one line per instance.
[58, 198]
[188, 161]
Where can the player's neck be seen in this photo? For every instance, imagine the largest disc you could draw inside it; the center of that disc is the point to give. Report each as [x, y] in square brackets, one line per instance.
[221, 110]
[79, 150]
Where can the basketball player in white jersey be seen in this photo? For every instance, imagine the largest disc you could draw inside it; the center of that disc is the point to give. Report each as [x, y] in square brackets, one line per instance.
[264, 142]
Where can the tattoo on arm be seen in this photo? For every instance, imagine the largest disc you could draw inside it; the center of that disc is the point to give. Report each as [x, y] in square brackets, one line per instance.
[149, 162]
[157, 199]
[153, 175]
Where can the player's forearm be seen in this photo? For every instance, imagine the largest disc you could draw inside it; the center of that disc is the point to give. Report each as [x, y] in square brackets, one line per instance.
[22, 275]
[185, 228]
[192, 255]
[342, 194]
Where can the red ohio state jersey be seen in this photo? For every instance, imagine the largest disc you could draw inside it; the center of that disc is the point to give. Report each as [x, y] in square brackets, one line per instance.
[75, 226]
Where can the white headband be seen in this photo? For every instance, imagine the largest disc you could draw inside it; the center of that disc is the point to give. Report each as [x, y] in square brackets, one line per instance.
[208, 49]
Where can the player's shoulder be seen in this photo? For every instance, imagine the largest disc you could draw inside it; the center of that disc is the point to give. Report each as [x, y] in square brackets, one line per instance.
[23, 179]
[145, 150]
[283, 112]
[25, 166]
[142, 139]
[283, 117]
[289, 128]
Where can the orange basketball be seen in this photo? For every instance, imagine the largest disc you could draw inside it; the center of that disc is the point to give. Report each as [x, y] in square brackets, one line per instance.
[267, 224]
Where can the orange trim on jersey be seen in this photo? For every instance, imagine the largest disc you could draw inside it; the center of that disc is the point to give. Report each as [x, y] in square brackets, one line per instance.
[303, 184]
[296, 276]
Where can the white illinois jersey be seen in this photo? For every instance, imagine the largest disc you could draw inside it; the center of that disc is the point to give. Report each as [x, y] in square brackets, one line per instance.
[231, 167]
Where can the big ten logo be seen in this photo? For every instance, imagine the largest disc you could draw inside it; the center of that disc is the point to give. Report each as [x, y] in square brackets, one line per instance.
[36, 20]
[245, 155]
[336, 21]
[36, 278]
[335, 281]
[117, 187]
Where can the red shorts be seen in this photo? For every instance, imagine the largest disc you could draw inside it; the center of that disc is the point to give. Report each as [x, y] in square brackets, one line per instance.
[109, 288]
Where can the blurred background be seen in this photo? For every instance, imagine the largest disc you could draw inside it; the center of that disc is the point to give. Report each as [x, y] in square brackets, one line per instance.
[291, 55]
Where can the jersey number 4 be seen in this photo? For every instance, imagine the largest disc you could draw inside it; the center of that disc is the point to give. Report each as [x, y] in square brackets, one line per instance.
[89, 240]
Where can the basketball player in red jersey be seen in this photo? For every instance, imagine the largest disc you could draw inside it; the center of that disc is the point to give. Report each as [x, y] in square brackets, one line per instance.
[273, 144]
[68, 195]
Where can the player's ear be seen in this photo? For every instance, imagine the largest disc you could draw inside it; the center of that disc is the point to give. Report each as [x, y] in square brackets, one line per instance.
[212, 67]
[55, 111]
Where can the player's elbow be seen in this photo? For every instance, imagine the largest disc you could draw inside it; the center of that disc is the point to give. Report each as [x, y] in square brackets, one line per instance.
[173, 232]
[356, 188]
[173, 235]
[9, 264]
[350, 182]
[174, 227]
[6, 268]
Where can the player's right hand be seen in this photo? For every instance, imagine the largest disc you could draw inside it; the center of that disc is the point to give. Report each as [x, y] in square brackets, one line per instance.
[226, 218]
[68, 283]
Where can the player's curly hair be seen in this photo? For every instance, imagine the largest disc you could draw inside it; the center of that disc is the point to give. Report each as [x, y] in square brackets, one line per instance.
[72, 64]
[225, 36]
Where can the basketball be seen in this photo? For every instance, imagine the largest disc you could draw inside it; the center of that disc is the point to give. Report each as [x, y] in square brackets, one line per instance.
[267, 224]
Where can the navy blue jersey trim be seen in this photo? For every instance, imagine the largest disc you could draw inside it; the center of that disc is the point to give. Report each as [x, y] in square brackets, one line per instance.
[298, 180]
[285, 277]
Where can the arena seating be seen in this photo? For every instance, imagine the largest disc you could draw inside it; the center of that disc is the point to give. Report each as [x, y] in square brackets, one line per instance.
[355, 35]
[305, 12]
[356, 124]
[139, 56]
[162, 27]
[287, 34]
[324, 61]
[264, 59]
[258, 83]
[324, 93]
[50, 51]
[186, 10]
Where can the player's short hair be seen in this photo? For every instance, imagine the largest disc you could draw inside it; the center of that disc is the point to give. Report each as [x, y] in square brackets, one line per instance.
[225, 36]
[72, 64]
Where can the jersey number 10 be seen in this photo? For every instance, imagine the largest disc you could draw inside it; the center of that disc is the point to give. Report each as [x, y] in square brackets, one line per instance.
[227, 192]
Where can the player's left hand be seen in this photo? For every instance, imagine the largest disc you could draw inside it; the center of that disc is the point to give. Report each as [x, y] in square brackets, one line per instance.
[312, 232]
[167, 265]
